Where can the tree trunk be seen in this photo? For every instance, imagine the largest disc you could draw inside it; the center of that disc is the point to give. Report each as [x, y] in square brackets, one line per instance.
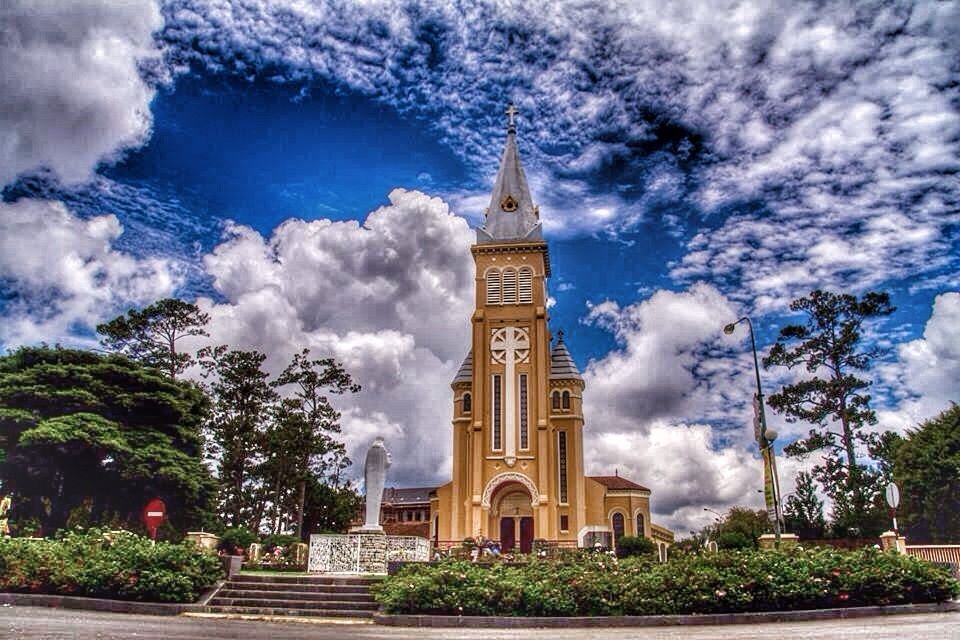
[301, 501]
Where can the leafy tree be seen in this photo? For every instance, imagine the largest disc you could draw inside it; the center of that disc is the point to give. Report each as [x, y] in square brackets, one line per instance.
[306, 423]
[803, 510]
[329, 507]
[828, 346]
[151, 334]
[98, 436]
[927, 469]
[242, 403]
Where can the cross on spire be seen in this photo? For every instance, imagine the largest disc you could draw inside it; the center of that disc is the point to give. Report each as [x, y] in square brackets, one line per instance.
[511, 112]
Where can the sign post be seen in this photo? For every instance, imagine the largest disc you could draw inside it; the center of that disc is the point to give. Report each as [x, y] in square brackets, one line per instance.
[893, 501]
[153, 516]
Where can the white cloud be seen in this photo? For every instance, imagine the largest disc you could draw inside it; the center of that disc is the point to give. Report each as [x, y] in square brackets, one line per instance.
[390, 299]
[66, 275]
[71, 91]
[658, 371]
[826, 116]
[926, 376]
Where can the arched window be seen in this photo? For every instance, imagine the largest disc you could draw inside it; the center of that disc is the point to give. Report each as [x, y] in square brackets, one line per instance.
[617, 527]
[467, 403]
[509, 286]
[526, 285]
[640, 525]
[493, 286]
[555, 402]
[566, 399]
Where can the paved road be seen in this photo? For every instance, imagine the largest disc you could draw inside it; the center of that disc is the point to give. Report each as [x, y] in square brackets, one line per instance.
[41, 622]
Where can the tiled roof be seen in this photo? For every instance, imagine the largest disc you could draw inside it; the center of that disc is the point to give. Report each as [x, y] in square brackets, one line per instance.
[562, 366]
[618, 483]
[465, 374]
[413, 495]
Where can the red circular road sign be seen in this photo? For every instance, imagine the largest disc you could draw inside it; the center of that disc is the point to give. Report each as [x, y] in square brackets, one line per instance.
[153, 515]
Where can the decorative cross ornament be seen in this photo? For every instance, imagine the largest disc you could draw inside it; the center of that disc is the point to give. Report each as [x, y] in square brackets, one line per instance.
[511, 112]
[509, 346]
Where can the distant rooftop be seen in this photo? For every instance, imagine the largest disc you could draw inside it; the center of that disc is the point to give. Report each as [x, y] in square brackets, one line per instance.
[618, 483]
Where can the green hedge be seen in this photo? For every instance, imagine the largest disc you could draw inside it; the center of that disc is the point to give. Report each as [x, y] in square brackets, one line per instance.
[119, 565]
[717, 583]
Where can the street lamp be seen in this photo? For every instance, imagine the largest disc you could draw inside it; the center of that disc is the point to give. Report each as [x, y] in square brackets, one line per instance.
[766, 436]
[716, 513]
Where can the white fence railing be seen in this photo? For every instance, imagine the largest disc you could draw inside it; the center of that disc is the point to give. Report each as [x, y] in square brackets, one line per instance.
[940, 553]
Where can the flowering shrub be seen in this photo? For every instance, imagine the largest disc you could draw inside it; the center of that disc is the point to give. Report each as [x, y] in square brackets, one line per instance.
[595, 585]
[107, 565]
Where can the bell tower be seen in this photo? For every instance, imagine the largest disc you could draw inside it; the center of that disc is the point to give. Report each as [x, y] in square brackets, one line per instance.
[512, 477]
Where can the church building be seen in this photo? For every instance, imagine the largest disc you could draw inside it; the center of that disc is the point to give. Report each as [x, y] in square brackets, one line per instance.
[518, 468]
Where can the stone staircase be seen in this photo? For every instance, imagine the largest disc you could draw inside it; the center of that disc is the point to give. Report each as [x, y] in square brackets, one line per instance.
[317, 596]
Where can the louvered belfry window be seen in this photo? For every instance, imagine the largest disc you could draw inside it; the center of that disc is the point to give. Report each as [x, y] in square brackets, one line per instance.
[493, 286]
[526, 285]
[509, 286]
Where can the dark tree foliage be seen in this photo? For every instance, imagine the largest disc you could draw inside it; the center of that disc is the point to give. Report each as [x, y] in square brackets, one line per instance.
[306, 424]
[927, 468]
[828, 347]
[329, 507]
[151, 334]
[242, 403]
[803, 510]
[100, 435]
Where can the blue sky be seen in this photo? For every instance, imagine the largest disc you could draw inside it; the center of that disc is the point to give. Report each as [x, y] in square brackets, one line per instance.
[311, 174]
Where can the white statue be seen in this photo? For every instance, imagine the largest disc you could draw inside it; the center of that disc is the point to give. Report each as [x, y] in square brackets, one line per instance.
[375, 477]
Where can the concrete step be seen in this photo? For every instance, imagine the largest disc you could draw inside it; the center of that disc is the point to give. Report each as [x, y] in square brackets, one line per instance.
[306, 580]
[217, 601]
[297, 588]
[285, 594]
[288, 611]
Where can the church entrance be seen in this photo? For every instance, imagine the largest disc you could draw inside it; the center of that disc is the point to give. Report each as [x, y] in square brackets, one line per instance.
[508, 534]
[515, 517]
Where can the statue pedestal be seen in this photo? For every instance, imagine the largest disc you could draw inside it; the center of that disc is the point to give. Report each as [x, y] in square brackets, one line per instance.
[373, 529]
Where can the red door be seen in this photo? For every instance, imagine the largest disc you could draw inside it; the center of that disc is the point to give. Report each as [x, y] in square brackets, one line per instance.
[526, 535]
[508, 538]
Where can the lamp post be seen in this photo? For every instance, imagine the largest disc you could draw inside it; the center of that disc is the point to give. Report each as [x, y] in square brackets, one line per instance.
[766, 437]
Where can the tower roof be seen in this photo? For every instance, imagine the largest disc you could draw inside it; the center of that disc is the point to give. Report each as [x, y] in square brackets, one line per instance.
[562, 366]
[465, 374]
[511, 215]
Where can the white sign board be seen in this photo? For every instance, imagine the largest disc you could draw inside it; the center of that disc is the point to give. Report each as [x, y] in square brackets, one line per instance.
[893, 495]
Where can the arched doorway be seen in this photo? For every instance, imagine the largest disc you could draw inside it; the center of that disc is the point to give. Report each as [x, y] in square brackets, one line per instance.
[512, 515]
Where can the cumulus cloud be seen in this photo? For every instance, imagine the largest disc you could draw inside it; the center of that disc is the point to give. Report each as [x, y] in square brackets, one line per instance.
[390, 299]
[62, 275]
[72, 89]
[670, 407]
[669, 345]
[825, 115]
[925, 378]
[683, 466]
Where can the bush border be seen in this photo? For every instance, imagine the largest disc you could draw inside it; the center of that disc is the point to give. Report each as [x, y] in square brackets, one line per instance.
[497, 622]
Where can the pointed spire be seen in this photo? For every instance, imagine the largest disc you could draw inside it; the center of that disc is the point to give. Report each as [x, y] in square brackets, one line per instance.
[465, 373]
[511, 215]
[562, 366]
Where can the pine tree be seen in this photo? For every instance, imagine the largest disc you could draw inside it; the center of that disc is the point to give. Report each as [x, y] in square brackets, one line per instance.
[828, 346]
[150, 335]
[803, 510]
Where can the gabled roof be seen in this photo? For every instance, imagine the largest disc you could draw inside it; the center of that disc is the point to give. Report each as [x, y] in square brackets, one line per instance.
[511, 216]
[617, 483]
[465, 374]
[562, 366]
[412, 495]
